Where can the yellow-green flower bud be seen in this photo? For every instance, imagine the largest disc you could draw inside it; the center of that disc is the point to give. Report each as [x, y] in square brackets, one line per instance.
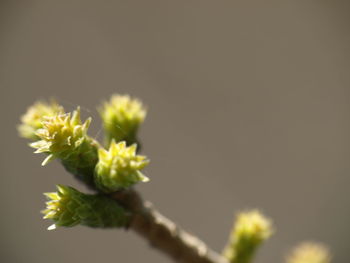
[69, 207]
[250, 230]
[60, 135]
[122, 116]
[65, 137]
[310, 252]
[119, 167]
[31, 121]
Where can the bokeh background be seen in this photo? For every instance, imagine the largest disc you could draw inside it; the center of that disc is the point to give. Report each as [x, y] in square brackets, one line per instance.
[248, 108]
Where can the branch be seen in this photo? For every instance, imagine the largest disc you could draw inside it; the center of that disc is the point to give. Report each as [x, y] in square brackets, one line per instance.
[162, 233]
[64, 136]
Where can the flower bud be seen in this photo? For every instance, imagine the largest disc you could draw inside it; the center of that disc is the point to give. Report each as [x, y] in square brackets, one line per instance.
[65, 137]
[119, 167]
[32, 119]
[69, 207]
[250, 230]
[122, 116]
[309, 252]
[61, 135]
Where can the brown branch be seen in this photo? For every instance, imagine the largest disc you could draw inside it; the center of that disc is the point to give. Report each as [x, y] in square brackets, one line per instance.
[162, 233]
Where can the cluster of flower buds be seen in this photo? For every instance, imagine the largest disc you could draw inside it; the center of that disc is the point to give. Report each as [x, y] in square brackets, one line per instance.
[309, 252]
[250, 230]
[64, 136]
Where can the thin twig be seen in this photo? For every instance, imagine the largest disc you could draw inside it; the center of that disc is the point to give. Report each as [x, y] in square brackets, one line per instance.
[162, 233]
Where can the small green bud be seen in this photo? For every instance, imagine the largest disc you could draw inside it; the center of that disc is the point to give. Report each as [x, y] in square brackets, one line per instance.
[61, 135]
[68, 207]
[65, 137]
[310, 252]
[250, 230]
[119, 167]
[122, 116]
[32, 119]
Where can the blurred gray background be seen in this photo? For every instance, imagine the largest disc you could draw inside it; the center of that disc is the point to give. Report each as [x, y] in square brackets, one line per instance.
[248, 108]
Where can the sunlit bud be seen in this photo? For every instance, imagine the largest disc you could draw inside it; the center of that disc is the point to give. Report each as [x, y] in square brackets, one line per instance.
[122, 116]
[309, 252]
[250, 230]
[31, 121]
[119, 167]
[68, 207]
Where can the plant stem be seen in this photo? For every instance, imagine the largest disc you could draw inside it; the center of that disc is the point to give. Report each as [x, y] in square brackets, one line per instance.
[162, 233]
